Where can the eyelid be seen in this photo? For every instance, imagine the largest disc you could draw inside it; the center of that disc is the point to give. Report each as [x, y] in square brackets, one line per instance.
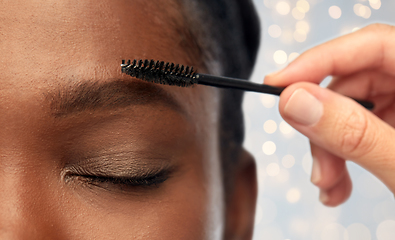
[121, 174]
[122, 184]
[148, 181]
[116, 164]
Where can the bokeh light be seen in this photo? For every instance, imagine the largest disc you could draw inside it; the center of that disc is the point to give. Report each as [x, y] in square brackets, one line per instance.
[283, 176]
[286, 129]
[293, 195]
[384, 210]
[287, 36]
[335, 12]
[298, 13]
[304, 5]
[292, 56]
[358, 231]
[355, 29]
[386, 230]
[362, 10]
[280, 57]
[307, 163]
[268, 3]
[303, 25]
[274, 31]
[269, 148]
[267, 100]
[375, 4]
[288, 161]
[330, 214]
[270, 126]
[357, 9]
[300, 227]
[273, 169]
[283, 7]
[300, 35]
[333, 231]
[272, 232]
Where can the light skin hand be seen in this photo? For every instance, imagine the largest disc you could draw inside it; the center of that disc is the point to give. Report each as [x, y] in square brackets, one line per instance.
[340, 129]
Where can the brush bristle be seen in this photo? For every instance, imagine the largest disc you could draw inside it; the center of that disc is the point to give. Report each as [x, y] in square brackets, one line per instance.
[160, 72]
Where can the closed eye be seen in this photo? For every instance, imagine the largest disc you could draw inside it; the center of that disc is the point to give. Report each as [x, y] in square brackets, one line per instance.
[144, 181]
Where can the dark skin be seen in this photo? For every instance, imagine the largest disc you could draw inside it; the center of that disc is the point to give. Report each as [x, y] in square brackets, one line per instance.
[89, 153]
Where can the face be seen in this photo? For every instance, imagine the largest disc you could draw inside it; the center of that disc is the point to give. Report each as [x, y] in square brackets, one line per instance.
[89, 153]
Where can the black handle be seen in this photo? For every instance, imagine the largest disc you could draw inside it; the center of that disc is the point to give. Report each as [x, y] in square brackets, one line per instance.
[234, 83]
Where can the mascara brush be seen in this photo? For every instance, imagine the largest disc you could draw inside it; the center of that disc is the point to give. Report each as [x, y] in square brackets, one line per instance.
[178, 75]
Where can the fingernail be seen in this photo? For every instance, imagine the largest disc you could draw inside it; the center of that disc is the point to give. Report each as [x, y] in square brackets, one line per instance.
[304, 108]
[274, 73]
[316, 172]
[268, 78]
[270, 75]
[324, 197]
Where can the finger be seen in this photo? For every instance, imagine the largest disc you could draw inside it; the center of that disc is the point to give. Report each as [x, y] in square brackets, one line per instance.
[364, 85]
[330, 174]
[370, 85]
[328, 169]
[387, 114]
[341, 126]
[373, 86]
[368, 48]
[339, 193]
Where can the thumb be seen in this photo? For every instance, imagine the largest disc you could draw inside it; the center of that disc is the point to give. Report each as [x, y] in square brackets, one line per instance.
[342, 127]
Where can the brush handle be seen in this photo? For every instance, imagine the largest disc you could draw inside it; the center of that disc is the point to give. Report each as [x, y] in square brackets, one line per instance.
[225, 82]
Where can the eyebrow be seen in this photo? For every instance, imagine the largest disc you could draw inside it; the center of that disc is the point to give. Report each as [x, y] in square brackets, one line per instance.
[88, 95]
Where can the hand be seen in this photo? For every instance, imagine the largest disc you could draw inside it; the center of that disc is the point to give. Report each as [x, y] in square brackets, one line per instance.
[363, 66]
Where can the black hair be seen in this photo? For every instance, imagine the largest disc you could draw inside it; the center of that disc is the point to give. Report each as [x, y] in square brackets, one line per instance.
[228, 35]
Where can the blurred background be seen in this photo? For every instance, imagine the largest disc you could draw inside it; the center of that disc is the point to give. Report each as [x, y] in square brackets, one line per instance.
[288, 205]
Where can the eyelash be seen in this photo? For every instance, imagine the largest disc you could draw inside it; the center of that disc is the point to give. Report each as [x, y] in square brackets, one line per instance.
[125, 184]
[146, 181]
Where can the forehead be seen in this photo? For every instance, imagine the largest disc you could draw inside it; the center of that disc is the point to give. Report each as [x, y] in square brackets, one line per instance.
[89, 31]
[45, 42]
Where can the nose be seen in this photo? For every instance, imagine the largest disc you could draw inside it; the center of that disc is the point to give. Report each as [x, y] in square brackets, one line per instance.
[28, 202]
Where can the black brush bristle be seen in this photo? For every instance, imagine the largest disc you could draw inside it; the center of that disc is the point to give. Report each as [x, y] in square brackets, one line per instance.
[160, 72]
